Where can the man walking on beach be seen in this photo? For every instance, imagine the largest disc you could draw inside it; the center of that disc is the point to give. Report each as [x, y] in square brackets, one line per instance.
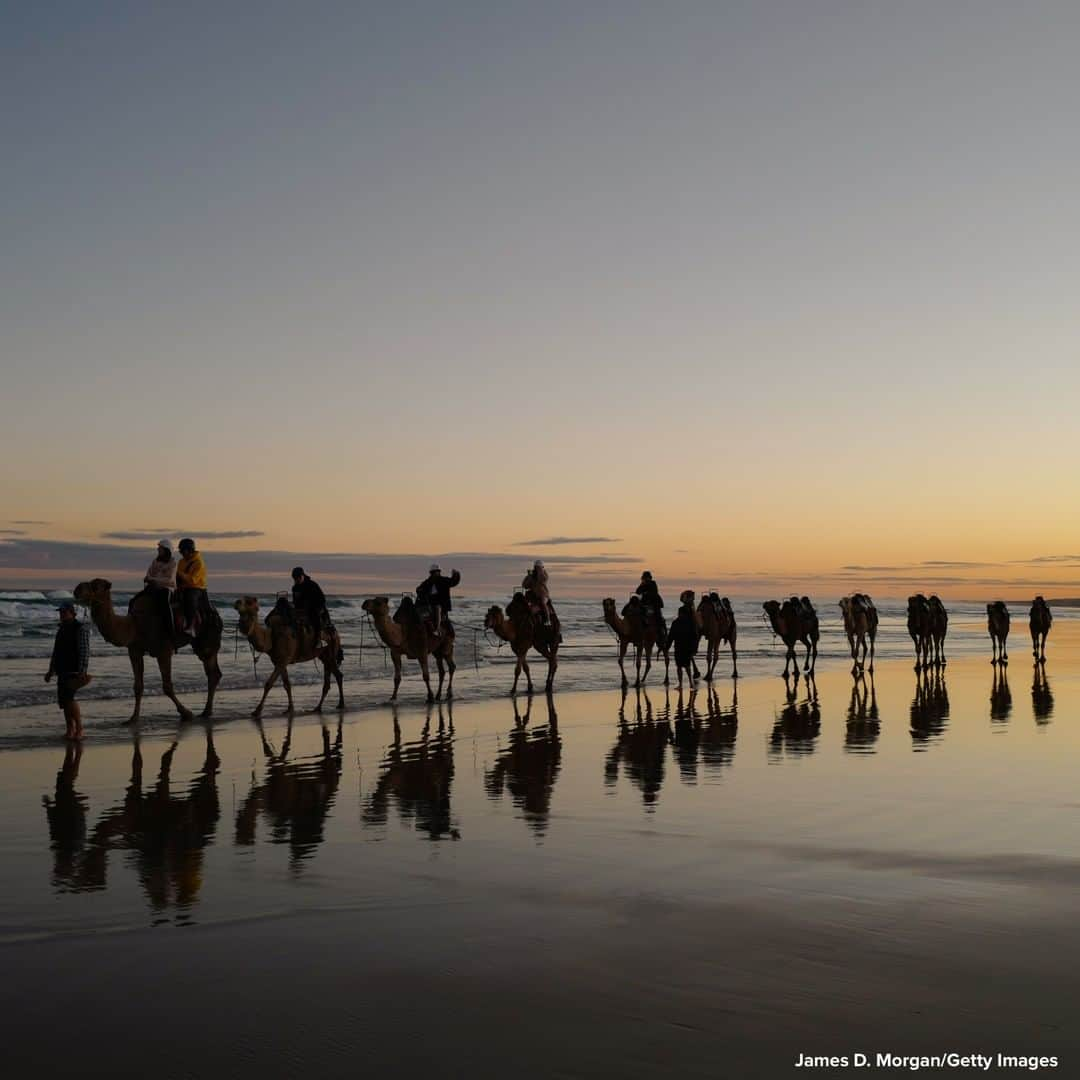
[70, 659]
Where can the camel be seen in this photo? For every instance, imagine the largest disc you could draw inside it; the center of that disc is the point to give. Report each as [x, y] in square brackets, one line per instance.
[716, 621]
[1039, 621]
[795, 620]
[997, 623]
[919, 627]
[287, 644]
[939, 627]
[407, 635]
[518, 627]
[860, 625]
[632, 628]
[142, 634]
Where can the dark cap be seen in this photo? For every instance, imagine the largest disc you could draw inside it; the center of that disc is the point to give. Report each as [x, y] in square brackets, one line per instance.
[298, 571]
[67, 605]
[186, 543]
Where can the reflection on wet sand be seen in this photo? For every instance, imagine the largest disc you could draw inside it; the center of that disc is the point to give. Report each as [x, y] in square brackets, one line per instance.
[165, 834]
[929, 708]
[66, 813]
[1000, 696]
[529, 766]
[863, 721]
[417, 777]
[709, 738]
[1042, 699]
[798, 723]
[295, 796]
[640, 749]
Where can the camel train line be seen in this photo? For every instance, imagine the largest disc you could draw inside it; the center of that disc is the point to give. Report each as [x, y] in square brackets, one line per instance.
[406, 635]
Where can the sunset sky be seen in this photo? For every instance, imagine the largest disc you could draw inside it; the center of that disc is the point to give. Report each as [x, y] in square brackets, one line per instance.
[749, 293]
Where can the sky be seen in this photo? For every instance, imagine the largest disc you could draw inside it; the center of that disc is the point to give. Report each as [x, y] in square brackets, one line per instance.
[747, 293]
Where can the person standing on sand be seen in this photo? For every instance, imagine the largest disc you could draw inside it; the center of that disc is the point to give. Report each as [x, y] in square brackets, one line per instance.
[191, 581]
[70, 659]
[686, 638]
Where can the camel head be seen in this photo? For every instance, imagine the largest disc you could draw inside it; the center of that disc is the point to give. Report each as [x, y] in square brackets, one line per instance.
[494, 617]
[89, 592]
[248, 609]
[379, 606]
[772, 608]
[609, 605]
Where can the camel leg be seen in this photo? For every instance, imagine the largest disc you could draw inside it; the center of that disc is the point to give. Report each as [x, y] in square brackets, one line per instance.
[1004, 650]
[165, 667]
[1035, 644]
[425, 670]
[441, 668]
[528, 674]
[735, 660]
[451, 667]
[340, 687]
[873, 638]
[553, 664]
[622, 663]
[287, 683]
[213, 677]
[397, 674]
[667, 667]
[267, 687]
[648, 665]
[637, 665]
[326, 677]
[517, 675]
[137, 667]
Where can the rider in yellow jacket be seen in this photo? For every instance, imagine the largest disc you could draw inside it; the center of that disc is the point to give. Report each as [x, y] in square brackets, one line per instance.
[191, 581]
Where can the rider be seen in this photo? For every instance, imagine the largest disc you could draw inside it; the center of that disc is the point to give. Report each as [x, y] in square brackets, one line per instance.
[158, 585]
[536, 583]
[433, 593]
[309, 601]
[653, 602]
[191, 581]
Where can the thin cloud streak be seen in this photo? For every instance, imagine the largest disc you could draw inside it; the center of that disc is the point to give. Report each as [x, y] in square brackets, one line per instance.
[552, 541]
[152, 535]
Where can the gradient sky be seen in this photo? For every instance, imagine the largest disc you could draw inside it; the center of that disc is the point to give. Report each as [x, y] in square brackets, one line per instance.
[762, 288]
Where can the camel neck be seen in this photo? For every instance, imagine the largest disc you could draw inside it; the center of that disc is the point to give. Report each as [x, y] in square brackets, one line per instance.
[115, 629]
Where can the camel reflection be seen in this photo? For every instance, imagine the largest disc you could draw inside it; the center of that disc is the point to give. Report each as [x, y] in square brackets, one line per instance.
[295, 797]
[417, 777]
[1000, 696]
[798, 723]
[709, 739]
[929, 708]
[66, 814]
[1042, 700]
[528, 767]
[863, 721]
[640, 749]
[164, 834]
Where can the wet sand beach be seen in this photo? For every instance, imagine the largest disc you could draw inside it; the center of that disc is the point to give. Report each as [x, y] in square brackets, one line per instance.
[593, 886]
